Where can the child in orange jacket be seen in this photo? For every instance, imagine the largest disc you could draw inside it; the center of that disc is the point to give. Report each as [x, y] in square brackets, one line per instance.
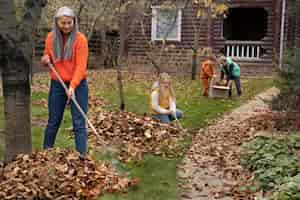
[206, 73]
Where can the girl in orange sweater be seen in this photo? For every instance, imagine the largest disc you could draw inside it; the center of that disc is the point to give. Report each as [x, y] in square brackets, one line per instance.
[67, 49]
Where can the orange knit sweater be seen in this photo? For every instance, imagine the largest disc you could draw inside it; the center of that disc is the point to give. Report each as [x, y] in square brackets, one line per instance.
[74, 70]
[207, 70]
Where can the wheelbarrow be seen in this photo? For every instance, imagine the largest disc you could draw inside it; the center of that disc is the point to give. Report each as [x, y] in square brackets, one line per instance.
[218, 91]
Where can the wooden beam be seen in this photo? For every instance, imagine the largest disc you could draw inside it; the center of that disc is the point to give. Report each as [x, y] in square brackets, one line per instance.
[276, 25]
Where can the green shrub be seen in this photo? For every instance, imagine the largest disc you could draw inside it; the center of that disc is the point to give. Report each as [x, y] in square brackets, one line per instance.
[272, 160]
[290, 190]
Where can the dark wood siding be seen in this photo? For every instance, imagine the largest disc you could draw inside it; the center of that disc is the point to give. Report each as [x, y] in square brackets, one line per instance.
[137, 43]
[181, 55]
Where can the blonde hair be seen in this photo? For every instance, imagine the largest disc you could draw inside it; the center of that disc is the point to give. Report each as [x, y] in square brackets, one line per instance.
[207, 54]
[222, 59]
[166, 77]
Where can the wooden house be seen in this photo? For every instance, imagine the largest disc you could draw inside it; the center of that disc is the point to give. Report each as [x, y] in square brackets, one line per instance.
[253, 33]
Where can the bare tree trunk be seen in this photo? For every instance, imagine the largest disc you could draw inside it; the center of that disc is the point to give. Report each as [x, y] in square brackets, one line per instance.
[17, 44]
[104, 48]
[276, 28]
[156, 66]
[123, 31]
[152, 60]
[121, 88]
[196, 26]
[194, 64]
[195, 50]
[17, 118]
[209, 28]
[81, 6]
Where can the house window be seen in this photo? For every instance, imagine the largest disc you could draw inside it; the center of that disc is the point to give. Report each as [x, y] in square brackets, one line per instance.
[166, 24]
[249, 24]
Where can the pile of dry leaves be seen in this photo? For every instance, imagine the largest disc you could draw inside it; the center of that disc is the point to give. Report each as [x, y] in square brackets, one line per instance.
[58, 174]
[135, 135]
[40, 102]
[95, 103]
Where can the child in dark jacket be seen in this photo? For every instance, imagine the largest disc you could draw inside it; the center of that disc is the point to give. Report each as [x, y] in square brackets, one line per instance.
[231, 71]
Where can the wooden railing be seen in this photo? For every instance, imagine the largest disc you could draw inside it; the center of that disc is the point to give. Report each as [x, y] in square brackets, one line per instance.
[244, 50]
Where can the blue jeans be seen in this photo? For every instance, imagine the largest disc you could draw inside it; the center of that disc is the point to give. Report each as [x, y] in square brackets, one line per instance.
[237, 83]
[56, 105]
[165, 118]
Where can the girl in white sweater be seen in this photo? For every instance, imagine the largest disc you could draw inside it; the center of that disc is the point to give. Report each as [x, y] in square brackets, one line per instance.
[163, 101]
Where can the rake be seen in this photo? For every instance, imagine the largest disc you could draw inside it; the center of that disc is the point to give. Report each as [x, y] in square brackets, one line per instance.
[178, 122]
[73, 98]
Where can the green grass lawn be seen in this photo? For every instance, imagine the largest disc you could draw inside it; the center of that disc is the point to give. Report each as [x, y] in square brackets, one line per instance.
[157, 175]
[157, 180]
[197, 109]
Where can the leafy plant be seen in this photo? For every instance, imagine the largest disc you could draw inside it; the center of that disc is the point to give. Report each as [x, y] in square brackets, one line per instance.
[289, 190]
[272, 160]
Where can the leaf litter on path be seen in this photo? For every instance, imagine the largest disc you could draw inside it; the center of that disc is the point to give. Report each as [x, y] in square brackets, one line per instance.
[213, 161]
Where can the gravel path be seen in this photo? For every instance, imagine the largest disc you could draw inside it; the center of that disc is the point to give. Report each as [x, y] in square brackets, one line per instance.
[211, 168]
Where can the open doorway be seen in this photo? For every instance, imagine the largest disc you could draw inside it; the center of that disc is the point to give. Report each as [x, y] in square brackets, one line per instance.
[245, 24]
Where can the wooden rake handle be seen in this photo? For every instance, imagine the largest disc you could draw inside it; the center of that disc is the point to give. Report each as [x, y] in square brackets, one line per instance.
[73, 98]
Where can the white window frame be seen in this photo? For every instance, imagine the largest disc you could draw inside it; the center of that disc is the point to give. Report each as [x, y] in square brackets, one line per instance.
[154, 25]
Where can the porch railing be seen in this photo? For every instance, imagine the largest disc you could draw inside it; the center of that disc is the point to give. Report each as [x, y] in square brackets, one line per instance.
[244, 50]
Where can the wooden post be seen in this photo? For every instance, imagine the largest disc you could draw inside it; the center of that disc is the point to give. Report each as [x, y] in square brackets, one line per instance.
[276, 28]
